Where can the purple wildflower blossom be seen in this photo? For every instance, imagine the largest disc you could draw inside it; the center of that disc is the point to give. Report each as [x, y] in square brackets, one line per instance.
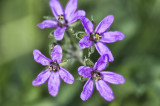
[64, 17]
[101, 78]
[100, 35]
[54, 72]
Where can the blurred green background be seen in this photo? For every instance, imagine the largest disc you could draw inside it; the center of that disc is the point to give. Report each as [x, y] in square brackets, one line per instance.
[137, 57]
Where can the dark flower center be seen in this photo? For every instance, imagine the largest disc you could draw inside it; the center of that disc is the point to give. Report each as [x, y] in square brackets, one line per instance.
[96, 75]
[61, 21]
[95, 37]
[53, 67]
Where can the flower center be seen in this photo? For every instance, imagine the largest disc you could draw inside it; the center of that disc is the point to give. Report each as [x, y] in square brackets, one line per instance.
[61, 21]
[95, 37]
[61, 17]
[96, 76]
[53, 67]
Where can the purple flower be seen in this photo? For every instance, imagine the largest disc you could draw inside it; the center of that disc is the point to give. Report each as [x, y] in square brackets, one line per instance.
[101, 78]
[64, 17]
[100, 35]
[54, 72]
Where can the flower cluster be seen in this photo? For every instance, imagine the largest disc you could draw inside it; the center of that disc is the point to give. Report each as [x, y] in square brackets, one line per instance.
[99, 36]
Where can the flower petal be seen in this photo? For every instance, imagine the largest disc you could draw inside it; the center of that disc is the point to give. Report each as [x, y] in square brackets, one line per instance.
[104, 90]
[87, 24]
[59, 33]
[103, 49]
[85, 42]
[112, 36]
[56, 54]
[101, 63]
[66, 76]
[85, 71]
[54, 84]
[41, 78]
[77, 15]
[87, 89]
[40, 58]
[48, 23]
[112, 77]
[56, 8]
[71, 7]
[104, 24]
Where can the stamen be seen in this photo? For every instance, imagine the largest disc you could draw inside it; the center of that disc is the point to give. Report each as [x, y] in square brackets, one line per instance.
[51, 68]
[97, 36]
[60, 17]
[97, 77]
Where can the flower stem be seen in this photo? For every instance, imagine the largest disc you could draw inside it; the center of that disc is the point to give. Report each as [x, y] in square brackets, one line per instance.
[74, 48]
[71, 41]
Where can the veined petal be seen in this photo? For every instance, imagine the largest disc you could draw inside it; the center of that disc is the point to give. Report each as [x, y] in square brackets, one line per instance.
[87, 90]
[112, 36]
[101, 63]
[56, 8]
[87, 24]
[71, 7]
[59, 33]
[54, 84]
[112, 77]
[85, 42]
[48, 23]
[66, 76]
[104, 90]
[77, 15]
[103, 49]
[40, 58]
[41, 78]
[56, 54]
[104, 24]
[85, 71]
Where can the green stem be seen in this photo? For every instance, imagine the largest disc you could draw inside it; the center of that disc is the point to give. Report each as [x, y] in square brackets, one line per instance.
[71, 41]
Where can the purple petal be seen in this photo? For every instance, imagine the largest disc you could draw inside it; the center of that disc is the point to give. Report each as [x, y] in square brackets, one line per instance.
[104, 24]
[66, 76]
[85, 42]
[56, 54]
[40, 58]
[112, 36]
[112, 77]
[48, 23]
[101, 63]
[103, 49]
[56, 8]
[59, 33]
[41, 78]
[71, 7]
[104, 90]
[54, 84]
[77, 15]
[87, 24]
[85, 71]
[87, 89]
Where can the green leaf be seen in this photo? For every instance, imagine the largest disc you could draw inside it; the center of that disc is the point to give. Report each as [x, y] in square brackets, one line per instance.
[51, 34]
[88, 62]
[80, 34]
[91, 50]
